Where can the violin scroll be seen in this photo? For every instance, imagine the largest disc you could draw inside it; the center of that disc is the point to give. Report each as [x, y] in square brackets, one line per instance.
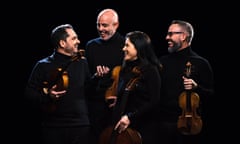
[80, 54]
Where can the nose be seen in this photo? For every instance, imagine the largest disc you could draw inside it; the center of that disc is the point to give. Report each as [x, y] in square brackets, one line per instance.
[124, 48]
[167, 37]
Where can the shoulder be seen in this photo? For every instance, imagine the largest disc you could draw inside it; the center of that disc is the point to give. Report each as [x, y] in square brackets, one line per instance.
[150, 69]
[94, 41]
[199, 59]
[45, 60]
[164, 58]
[118, 37]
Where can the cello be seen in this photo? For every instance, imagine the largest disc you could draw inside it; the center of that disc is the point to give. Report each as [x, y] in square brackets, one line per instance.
[189, 122]
[109, 134]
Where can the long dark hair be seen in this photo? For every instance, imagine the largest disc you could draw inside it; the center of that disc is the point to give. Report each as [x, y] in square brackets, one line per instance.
[144, 47]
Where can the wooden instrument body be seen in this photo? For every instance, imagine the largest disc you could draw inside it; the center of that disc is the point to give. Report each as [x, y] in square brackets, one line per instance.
[129, 136]
[59, 77]
[189, 122]
[112, 90]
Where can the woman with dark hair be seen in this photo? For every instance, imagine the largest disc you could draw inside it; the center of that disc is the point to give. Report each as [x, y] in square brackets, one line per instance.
[138, 89]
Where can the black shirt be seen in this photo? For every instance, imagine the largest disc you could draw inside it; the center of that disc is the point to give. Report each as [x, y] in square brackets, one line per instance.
[174, 66]
[71, 108]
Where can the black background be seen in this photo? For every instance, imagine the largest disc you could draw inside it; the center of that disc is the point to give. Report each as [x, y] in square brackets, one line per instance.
[31, 24]
[36, 22]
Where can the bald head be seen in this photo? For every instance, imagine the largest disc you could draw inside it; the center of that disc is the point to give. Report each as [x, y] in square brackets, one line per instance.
[108, 13]
[107, 23]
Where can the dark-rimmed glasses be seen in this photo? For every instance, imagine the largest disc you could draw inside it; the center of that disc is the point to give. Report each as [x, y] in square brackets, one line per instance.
[172, 33]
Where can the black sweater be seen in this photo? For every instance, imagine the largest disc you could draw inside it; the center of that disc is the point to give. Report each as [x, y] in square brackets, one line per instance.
[143, 96]
[106, 53]
[71, 108]
[172, 83]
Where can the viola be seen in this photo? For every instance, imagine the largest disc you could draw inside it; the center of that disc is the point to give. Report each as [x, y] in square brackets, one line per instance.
[189, 122]
[112, 90]
[59, 77]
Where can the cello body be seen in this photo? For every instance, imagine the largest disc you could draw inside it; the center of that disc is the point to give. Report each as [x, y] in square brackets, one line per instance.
[129, 136]
[110, 135]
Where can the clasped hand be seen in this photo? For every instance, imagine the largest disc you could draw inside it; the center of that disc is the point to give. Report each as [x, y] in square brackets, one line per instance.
[55, 95]
[189, 84]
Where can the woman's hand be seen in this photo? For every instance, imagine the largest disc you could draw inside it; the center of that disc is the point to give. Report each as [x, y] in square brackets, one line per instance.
[122, 124]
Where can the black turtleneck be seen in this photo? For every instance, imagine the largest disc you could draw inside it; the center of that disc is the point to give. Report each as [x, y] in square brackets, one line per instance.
[106, 53]
[71, 108]
[143, 95]
[174, 66]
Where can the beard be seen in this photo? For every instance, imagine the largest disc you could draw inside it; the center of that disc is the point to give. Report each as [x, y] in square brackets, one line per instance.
[175, 47]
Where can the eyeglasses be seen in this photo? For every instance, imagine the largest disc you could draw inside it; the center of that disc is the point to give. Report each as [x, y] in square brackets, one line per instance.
[172, 33]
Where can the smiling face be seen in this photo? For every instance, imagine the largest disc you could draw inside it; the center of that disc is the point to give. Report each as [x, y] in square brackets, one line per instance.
[129, 51]
[107, 24]
[70, 45]
[176, 38]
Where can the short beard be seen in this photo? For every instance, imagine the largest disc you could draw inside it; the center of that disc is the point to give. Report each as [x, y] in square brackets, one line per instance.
[174, 48]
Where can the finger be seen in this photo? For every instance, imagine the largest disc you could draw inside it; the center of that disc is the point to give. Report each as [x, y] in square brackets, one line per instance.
[117, 125]
[106, 69]
[99, 69]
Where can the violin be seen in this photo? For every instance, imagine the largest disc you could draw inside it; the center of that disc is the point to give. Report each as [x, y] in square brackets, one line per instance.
[59, 77]
[112, 90]
[189, 122]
